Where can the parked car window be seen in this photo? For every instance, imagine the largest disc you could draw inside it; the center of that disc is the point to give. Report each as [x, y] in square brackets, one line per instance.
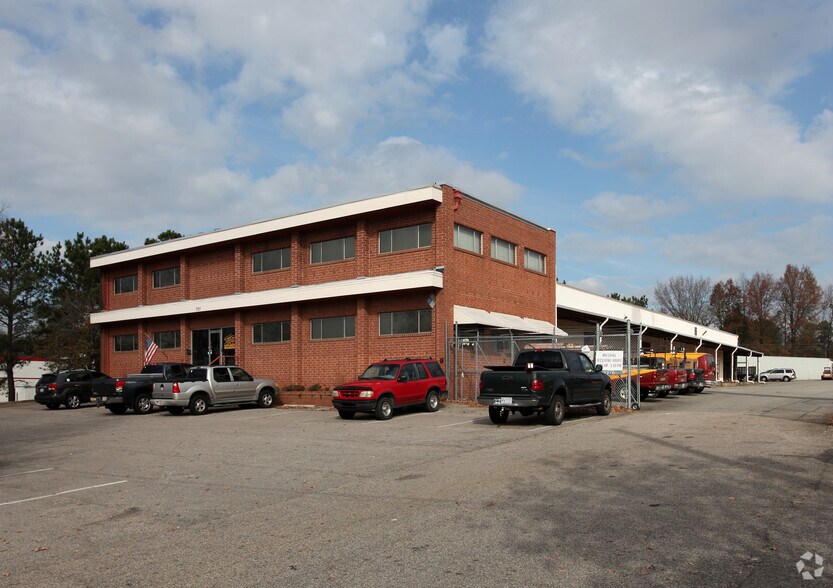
[240, 375]
[198, 374]
[221, 375]
[586, 364]
[408, 372]
[422, 374]
[380, 371]
[435, 369]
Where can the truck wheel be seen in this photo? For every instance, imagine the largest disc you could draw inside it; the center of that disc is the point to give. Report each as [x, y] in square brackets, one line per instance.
[142, 405]
[604, 408]
[346, 414]
[384, 408]
[176, 410]
[498, 415]
[198, 404]
[266, 399]
[554, 413]
[432, 401]
[73, 400]
[117, 408]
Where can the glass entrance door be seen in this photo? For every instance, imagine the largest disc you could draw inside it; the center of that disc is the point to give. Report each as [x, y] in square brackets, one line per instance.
[213, 346]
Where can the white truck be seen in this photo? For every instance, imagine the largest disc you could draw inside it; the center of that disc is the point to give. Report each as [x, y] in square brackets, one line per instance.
[208, 386]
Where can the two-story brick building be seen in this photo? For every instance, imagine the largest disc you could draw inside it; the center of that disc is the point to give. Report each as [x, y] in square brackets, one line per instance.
[314, 297]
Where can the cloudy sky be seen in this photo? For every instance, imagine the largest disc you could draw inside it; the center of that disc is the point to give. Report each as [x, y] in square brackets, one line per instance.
[658, 137]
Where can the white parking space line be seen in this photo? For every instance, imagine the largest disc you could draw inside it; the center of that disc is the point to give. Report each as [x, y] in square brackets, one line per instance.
[29, 472]
[64, 492]
[455, 424]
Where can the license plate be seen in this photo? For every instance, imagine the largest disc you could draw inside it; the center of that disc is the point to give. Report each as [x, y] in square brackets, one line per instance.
[103, 399]
[504, 401]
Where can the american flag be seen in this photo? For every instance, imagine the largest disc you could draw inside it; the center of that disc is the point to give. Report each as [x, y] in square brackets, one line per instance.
[150, 349]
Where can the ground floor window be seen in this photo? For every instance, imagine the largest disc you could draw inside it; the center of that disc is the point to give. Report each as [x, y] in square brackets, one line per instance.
[270, 332]
[336, 327]
[126, 342]
[405, 322]
[167, 339]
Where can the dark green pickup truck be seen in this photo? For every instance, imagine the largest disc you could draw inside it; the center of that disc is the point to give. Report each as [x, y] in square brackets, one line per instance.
[544, 381]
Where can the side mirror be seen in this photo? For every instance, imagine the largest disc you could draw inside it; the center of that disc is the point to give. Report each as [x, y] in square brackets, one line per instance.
[599, 367]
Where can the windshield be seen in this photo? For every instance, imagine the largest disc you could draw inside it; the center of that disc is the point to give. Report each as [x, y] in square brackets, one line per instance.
[380, 371]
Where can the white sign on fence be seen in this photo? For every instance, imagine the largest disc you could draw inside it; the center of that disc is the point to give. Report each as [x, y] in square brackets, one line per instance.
[611, 361]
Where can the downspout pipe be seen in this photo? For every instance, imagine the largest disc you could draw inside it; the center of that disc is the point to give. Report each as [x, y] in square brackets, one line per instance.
[716, 356]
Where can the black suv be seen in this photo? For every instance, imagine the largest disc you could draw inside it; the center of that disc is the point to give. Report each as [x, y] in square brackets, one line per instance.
[71, 388]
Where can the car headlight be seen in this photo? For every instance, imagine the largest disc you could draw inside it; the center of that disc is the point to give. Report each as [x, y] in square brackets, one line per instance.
[335, 393]
[365, 393]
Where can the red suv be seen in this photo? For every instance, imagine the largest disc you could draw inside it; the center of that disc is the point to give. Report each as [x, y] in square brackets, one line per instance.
[390, 384]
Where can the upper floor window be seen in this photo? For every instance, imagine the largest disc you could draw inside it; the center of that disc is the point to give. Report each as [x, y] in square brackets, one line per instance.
[468, 239]
[167, 339]
[503, 250]
[166, 277]
[270, 332]
[126, 343]
[126, 284]
[405, 238]
[271, 260]
[405, 322]
[336, 327]
[535, 261]
[333, 250]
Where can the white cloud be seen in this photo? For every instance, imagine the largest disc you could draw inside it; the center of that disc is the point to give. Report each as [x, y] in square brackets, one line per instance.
[632, 211]
[694, 82]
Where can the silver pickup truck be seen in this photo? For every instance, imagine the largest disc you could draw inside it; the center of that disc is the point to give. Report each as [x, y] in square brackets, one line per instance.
[213, 386]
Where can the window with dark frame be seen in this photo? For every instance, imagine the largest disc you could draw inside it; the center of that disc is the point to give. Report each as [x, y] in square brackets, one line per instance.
[274, 259]
[166, 277]
[404, 238]
[167, 339]
[337, 327]
[468, 239]
[405, 322]
[126, 284]
[271, 332]
[333, 250]
[126, 343]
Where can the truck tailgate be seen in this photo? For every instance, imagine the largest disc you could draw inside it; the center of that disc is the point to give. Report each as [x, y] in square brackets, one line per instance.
[505, 383]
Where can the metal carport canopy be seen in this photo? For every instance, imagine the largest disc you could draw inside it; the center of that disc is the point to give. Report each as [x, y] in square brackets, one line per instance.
[465, 315]
[595, 305]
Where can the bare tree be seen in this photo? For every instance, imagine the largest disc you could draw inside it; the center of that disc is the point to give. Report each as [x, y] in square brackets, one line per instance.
[685, 297]
[799, 302]
[761, 293]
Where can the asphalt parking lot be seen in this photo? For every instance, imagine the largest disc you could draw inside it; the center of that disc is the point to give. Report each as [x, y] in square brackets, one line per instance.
[726, 488]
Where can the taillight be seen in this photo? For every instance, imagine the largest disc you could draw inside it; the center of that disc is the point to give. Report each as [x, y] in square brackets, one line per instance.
[52, 387]
[537, 385]
[175, 388]
[119, 386]
[481, 385]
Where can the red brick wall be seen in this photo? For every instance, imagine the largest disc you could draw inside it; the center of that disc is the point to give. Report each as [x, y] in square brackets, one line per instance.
[469, 280]
[210, 273]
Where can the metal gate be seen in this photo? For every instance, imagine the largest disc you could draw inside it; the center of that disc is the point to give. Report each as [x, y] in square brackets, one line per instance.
[614, 349]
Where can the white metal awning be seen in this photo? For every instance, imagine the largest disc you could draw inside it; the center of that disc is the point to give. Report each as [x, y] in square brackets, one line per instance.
[465, 315]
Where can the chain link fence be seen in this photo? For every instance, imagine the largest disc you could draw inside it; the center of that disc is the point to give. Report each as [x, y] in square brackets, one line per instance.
[616, 350]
